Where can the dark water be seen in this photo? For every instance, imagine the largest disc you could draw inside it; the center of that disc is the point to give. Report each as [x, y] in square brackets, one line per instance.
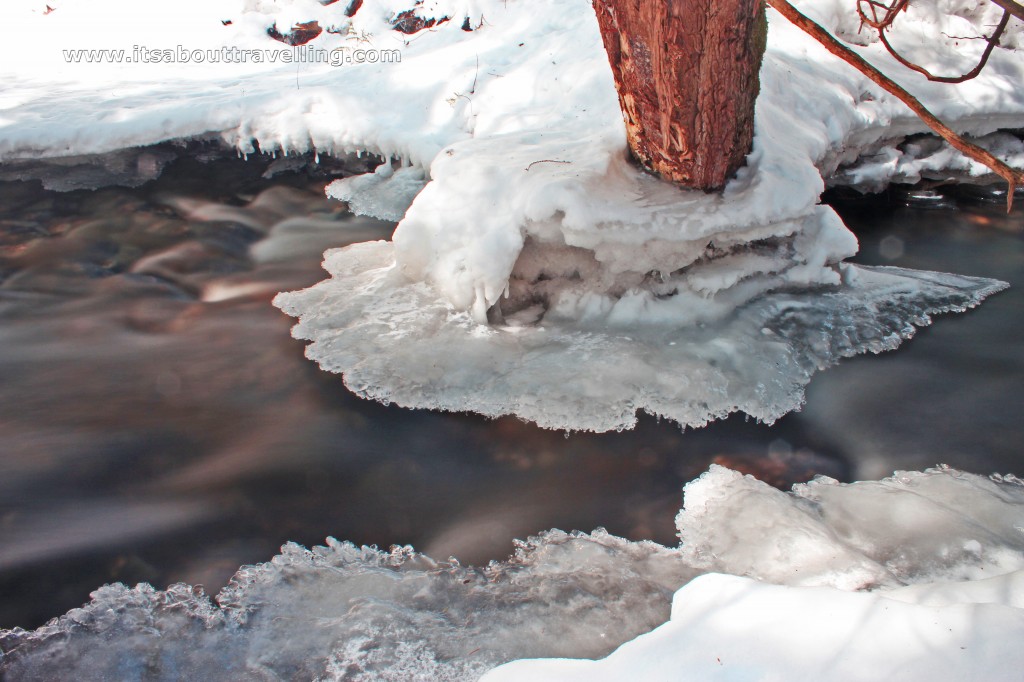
[157, 422]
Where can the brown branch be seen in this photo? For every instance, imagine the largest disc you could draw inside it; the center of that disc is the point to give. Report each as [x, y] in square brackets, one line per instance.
[1013, 177]
[1014, 8]
[992, 42]
[890, 13]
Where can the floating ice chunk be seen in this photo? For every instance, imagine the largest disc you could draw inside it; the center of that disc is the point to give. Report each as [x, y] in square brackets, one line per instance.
[397, 340]
[386, 193]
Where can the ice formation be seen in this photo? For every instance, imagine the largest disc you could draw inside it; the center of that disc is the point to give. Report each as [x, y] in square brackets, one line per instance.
[386, 193]
[869, 580]
[756, 359]
[575, 289]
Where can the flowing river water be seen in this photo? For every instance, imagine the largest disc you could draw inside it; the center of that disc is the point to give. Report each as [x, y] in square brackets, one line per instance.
[159, 424]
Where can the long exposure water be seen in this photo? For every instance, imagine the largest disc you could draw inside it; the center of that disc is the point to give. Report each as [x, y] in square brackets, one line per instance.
[158, 423]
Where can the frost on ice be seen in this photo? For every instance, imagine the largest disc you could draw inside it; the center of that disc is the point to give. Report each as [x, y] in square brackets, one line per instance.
[535, 271]
[916, 577]
[590, 375]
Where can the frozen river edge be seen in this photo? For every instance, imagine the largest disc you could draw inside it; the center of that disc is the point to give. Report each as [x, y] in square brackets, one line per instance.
[918, 575]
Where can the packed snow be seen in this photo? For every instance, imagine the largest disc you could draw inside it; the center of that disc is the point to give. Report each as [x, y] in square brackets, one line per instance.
[919, 576]
[528, 242]
[731, 628]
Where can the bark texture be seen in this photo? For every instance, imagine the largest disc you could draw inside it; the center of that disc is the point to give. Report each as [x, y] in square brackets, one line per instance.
[687, 76]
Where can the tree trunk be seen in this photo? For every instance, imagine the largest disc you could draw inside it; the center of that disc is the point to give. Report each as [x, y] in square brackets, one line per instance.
[687, 76]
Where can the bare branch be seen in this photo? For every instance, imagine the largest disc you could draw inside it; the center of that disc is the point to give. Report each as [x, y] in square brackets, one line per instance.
[1012, 176]
[993, 40]
[1014, 8]
[890, 13]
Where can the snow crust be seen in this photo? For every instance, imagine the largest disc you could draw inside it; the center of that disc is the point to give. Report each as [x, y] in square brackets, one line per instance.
[504, 156]
[919, 577]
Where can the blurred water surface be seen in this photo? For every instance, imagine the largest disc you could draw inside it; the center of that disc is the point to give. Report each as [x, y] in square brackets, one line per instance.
[158, 423]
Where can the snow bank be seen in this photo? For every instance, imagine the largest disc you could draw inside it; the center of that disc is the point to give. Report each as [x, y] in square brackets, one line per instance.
[730, 628]
[941, 550]
[523, 225]
[956, 538]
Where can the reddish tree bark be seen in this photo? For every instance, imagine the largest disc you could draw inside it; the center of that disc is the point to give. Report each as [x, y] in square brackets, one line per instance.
[687, 76]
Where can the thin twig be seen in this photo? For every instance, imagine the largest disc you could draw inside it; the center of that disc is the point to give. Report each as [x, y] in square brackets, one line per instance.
[992, 42]
[1013, 177]
[965, 37]
[532, 164]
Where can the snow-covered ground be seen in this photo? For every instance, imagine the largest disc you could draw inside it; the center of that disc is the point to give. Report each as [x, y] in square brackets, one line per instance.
[535, 271]
[915, 577]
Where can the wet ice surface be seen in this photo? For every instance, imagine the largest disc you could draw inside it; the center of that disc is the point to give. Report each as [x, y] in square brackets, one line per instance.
[757, 358]
[343, 613]
[355, 613]
[160, 425]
